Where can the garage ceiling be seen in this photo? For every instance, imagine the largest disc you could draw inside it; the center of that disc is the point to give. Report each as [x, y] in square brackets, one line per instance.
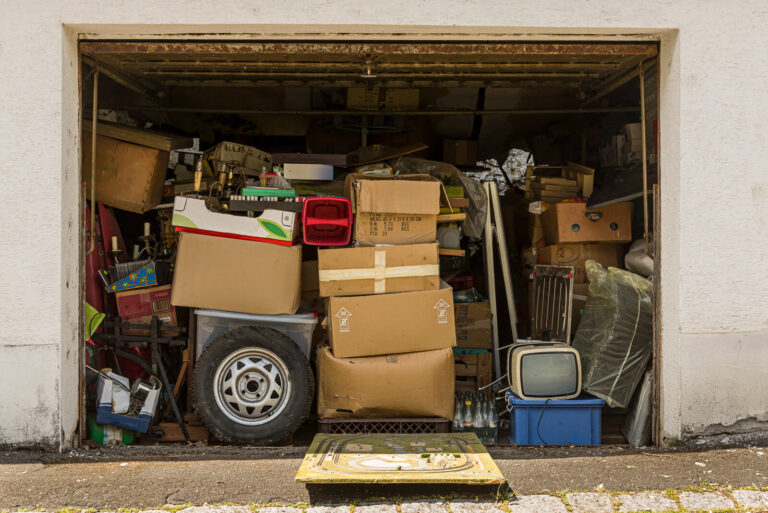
[154, 67]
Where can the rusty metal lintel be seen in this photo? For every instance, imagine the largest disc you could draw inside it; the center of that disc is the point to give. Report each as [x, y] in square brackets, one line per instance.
[95, 48]
[467, 112]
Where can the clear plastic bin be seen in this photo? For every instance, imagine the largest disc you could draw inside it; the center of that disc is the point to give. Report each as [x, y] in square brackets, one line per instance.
[213, 323]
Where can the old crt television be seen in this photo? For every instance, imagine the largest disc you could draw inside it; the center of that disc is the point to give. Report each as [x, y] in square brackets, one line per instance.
[544, 370]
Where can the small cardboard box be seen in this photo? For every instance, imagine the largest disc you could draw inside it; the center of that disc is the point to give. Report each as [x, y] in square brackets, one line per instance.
[394, 210]
[405, 322]
[237, 275]
[473, 325]
[607, 254]
[140, 305]
[574, 222]
[460, 152]
[128, 176]
[274, 226]
[392, 386]
[378, 270]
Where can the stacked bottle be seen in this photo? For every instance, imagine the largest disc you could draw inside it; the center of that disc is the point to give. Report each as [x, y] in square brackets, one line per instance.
[475, 413]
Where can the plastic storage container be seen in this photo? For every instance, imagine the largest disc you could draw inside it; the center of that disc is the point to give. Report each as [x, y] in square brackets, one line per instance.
[213, 323]
[568, 422]
[327, 221]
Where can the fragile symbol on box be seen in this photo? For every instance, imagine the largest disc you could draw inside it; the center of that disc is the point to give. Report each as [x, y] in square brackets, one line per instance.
[343, 316]
[442, 307]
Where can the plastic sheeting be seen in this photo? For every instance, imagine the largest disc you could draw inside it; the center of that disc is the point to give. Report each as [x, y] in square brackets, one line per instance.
[615, 335]
[474, 226]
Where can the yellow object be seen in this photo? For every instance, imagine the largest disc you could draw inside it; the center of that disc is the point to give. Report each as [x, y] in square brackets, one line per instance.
[450, 458]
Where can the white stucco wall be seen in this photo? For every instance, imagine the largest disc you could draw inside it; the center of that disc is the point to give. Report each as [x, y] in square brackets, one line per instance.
[714, 123]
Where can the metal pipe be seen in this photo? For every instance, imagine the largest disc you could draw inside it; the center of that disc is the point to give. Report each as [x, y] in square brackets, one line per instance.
[644, 159]
[338, 112]
[94, 116]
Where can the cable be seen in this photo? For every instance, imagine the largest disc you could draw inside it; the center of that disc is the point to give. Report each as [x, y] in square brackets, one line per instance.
[538, 424]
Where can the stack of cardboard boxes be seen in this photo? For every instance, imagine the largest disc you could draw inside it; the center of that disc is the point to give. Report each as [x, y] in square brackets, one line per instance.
[575, 234]
[390, 319]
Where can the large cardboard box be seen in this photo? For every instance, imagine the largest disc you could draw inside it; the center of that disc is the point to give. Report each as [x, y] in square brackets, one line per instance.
[378, 270]
[392, 386]
[405, 322]
[460, 152]
[574, 222]
[473, 325]
[607, 254]
[394, 210]
[237, 275]
[128, 176]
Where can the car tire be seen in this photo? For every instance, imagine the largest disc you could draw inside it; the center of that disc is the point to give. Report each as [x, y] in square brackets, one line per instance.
[252, 385]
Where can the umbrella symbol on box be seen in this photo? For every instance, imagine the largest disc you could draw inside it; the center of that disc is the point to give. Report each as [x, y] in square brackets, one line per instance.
[442, 307]
[343, 316]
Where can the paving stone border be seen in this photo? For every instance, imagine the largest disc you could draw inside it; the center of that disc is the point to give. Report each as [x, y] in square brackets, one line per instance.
[575, 502]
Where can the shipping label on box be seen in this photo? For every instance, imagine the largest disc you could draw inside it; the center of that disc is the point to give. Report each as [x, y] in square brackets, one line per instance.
[394, 210]
[606, 254]
[391, 323]
[378, 270]
[473, 325]
[574, 222]
[417, 384]
[274, 226]
[237, 275]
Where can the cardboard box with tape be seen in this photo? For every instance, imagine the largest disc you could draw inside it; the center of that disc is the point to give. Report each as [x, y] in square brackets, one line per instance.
[574, 222]
[394, 210]
[398, 385]
[391, 323]
[236, 275]
[378, 270]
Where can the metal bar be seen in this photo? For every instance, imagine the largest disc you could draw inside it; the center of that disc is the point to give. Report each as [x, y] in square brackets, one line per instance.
[609, 88]
[340, 112]
[120, 78]
[491, 279]
[94, 122]
[501, 240]
[644, 159]
[167, 385]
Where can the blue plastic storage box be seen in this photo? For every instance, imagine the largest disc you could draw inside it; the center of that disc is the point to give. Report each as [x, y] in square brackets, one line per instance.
[569, 422]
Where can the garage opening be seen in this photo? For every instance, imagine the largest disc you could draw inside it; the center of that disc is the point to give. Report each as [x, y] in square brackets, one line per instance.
[271, 220]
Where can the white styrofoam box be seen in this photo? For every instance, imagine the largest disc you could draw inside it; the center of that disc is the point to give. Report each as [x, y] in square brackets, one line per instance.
[214, 323]
[307, 172]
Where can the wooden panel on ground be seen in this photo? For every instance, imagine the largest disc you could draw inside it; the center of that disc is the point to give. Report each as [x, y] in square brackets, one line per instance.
[172, 433]
[457, 458]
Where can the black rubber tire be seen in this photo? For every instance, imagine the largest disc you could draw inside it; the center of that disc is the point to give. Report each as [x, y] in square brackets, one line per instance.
[298, 404]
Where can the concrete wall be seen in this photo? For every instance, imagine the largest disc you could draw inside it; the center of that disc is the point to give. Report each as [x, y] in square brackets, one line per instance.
[714, 122]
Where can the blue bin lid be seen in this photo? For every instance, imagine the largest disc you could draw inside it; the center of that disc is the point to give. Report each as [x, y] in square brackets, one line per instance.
[583, 400]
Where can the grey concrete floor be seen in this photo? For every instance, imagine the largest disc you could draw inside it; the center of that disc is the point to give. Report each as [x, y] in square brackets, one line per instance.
[153, 476]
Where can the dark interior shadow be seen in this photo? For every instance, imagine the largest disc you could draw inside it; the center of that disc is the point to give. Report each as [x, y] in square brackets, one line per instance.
[344, 493]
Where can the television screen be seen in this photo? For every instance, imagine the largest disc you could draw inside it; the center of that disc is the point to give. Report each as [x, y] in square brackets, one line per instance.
[549, 374]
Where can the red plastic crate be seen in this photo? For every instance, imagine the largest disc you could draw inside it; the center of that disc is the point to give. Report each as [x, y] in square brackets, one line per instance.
[327, 221]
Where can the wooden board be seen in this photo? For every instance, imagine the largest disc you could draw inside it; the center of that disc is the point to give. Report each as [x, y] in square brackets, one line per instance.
[150, 138]
[399, 459]
[172, 432]
[451, 252]
[447, 218]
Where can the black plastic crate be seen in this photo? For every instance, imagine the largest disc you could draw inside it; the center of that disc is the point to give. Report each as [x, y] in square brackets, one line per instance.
[383, 426]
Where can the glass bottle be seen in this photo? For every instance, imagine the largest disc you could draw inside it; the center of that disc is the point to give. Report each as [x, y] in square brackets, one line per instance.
[467, 416]
[458, 421]
[493, 424]
[477, 421]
